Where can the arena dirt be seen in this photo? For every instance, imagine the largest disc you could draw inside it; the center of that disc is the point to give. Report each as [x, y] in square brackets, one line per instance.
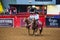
[22, 34]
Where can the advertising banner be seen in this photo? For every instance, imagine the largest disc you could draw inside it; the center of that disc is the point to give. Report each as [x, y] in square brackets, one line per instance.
[53, 22]
[6, 22]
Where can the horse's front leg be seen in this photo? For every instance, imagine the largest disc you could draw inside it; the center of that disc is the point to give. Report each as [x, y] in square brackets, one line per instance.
[36, 31]
[33, 32]
[29, 31]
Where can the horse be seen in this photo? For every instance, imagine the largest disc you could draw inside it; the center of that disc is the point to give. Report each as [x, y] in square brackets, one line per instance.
[34, 25]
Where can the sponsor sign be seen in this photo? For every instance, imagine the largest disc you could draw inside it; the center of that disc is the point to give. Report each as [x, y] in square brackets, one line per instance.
[6, 22]
[54, 22]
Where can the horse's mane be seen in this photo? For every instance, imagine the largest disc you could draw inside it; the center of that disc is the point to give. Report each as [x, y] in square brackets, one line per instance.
[34, 21]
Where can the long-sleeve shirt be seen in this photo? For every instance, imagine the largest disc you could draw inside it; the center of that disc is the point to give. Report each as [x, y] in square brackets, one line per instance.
[36, 16]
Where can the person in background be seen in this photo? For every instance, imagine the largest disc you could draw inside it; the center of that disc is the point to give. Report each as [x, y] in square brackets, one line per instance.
[7, 11]
[13, 10]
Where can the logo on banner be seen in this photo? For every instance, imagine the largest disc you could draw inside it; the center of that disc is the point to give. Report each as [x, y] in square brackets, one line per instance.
[53, 22]
[6, 22]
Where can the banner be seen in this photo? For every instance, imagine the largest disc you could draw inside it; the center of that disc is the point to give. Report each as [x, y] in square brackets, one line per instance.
[53, 22]
[6, 22]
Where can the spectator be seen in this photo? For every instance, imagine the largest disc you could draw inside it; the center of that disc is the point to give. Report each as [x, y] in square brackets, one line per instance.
[7, 11]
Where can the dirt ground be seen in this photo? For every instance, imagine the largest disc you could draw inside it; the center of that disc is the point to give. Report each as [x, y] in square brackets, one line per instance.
[21, 34]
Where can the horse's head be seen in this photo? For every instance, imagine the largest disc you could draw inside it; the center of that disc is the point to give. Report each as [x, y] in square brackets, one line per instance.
[26, 20]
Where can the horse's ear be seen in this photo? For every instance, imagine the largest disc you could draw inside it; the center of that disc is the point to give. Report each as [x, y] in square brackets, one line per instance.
[24, 19]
